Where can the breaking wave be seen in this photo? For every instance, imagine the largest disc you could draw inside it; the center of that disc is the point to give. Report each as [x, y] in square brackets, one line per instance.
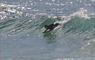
[78, 33]
[76, 24]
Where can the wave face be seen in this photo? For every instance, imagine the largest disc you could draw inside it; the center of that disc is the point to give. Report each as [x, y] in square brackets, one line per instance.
[75, 39]
[80, 25]
[75, 25]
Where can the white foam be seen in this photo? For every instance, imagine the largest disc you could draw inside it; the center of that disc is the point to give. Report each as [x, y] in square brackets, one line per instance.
[81, 13]
[8, 9]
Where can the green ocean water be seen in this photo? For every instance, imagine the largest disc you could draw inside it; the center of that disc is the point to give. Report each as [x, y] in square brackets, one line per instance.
[75, 25]
[23, 38]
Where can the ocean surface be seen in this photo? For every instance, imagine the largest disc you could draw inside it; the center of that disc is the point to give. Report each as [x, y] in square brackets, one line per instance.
[23, 38]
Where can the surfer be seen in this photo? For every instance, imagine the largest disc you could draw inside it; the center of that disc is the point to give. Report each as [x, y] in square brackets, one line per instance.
[51, 27]
[56, 25]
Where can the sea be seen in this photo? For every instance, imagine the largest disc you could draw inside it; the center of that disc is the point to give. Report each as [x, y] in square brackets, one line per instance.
[22, 38]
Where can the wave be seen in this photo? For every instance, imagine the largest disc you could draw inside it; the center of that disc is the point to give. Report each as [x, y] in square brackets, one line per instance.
[25, 23]
[79, 21]
[76, 27]
[76, 24]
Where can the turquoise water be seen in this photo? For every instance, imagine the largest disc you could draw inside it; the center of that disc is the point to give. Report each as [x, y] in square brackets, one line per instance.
[22, 39]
